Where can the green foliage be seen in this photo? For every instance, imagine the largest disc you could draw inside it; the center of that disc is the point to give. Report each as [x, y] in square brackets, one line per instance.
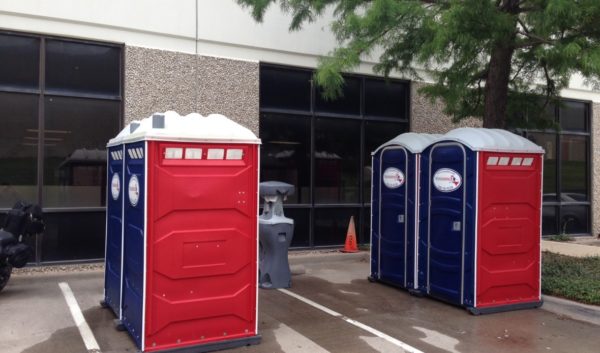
[560, 237]
[454, 41]
[572, 278]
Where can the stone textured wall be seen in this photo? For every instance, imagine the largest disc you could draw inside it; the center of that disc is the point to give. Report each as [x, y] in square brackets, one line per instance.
[430, 118]
[159, 80]
[595, 170]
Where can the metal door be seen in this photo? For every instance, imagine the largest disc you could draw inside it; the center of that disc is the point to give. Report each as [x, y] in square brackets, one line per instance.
[392, 247]
[134, 240]
[114, 230]
[446, 222]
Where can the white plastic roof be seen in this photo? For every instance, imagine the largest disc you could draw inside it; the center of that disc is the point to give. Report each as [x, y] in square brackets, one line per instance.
[191, 128]
[496, 140]
[413, 142]
[125, 132]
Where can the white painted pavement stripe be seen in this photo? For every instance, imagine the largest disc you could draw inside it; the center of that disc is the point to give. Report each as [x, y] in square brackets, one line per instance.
[84, 329]
[311, 303]
[291, 341]
[358, 324]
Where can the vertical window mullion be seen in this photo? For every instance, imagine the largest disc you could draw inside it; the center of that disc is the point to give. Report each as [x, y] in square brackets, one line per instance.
[41, 139]
[311, 230]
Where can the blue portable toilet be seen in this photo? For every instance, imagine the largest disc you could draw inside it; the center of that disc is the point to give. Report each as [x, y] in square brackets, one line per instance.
[113, 251]
[394, 209]
[479, 242]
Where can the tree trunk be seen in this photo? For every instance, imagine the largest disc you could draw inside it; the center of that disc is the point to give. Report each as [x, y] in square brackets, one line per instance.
[496, 87]
[496, 84]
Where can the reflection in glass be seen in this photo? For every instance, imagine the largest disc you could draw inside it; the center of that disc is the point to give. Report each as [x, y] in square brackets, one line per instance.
[337, 160]
[18, 148]
[82, 68]
[19, 58]
[285, 153]
[331, 225]
[75, 150]
[548, 143]
[376, 133]
[549, 220]
[574, 219]
[573, 164]
[573, 116]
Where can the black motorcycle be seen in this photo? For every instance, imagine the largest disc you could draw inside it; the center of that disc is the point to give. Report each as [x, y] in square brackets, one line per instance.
[22, 221]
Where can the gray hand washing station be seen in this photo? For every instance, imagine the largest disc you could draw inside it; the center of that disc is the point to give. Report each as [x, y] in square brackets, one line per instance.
[275, 233]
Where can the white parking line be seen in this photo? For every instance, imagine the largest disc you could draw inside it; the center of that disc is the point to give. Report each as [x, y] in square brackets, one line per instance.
[358, 324]
[84, 329]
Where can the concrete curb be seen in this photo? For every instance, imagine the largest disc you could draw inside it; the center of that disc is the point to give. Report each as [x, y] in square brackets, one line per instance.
[571, 309]
[300, 259]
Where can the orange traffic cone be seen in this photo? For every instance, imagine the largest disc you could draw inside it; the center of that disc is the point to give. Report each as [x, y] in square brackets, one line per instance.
[350, 245]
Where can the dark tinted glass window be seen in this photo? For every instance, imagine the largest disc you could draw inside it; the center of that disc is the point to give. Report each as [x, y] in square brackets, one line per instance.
[331, 225]
[18, 148]
[376, 133]
[548, 142]
[574, 219]
[285, 89]
[573, 116]
[82, 68]
[574, 166]
[365, 233]
[285, 152]
[73, 236]
[75, 154]
[348, 103]
[337, 160]
[549, 215]
[386, 99]
[301, 225]
[19, 58]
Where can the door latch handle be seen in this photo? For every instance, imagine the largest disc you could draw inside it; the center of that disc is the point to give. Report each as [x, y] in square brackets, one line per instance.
[456, 226]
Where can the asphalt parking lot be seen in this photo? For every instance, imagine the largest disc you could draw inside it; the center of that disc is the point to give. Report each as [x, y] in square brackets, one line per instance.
[370, 318]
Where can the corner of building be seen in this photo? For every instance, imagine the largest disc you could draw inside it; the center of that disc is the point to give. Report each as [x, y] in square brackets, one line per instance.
[595, 170]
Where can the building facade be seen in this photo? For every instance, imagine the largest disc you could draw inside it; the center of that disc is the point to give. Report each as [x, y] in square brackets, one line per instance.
[73, 73]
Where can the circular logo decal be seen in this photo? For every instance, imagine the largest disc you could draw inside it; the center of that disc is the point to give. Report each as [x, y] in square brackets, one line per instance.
[393, 178]
[134, 190]
[446, 180]
[115, 186]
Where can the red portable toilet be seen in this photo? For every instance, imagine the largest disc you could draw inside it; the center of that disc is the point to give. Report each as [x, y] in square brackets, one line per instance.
[190, 245]
[481, 195]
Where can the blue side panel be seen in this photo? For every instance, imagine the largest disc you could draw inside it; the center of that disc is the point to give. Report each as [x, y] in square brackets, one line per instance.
[133, 264]
[446, 246]
[422, 261]
[114, 229]
[393, 221]
[411, 185]
[375, 215]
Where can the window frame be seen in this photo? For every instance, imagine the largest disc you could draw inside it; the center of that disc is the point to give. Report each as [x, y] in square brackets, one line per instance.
[41, 94]
[557, 134]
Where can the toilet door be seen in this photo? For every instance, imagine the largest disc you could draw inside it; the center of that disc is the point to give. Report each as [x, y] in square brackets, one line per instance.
[446, 222]
[392, 212]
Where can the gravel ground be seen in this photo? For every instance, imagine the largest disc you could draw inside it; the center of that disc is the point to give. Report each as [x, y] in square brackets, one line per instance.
[45, 269]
